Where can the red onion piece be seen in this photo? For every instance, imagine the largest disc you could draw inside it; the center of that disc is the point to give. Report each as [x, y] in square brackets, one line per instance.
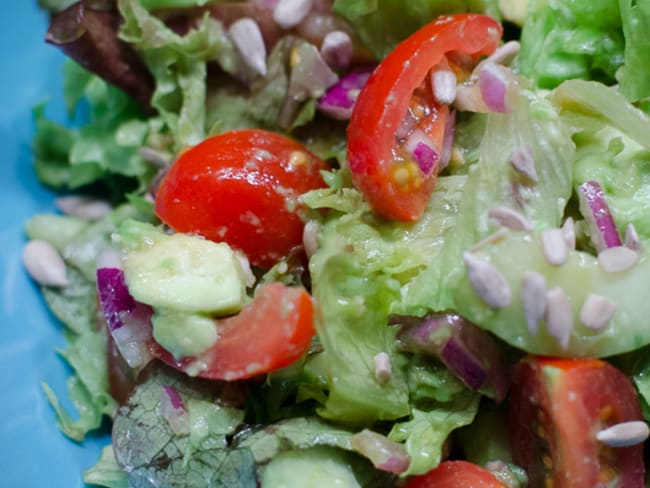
[593, 206]
[448, 140]
[420, 146]
[384, 454]
[339, 99]
[493, 82]
[469, 352]
[128, 321]
[173, 410]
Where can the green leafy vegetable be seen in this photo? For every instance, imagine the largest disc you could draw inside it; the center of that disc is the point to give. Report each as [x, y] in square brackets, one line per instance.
[151, 453]
[106, 472]
[635, 78]
[375, 21]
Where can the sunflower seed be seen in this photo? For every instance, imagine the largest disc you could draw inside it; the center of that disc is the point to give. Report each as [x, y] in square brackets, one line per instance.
[632, 239]
[510, 218]
[559, 316]
[533, 296]
[493, 238]
[596, 311]
[44, 264]
[289, 13]
[569, 233]
[488, 283]
[444, 84]
[554, 247]
[521, 160]
[310, 237]
[617, 258]
[336, 49]
[247, 36]
[383, 369]
[624, 434]
[83, 207]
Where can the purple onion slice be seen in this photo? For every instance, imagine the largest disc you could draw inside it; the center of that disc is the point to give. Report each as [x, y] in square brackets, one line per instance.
[385, 455]
[469, 352]
[173, 410]
[339, 99]
[593, 206]
[128, 321]
[494, 82]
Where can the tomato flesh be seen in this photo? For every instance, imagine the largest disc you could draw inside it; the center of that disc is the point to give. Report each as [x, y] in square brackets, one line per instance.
[456, 474]
[242, 187]
[271, 332]
[382, 105]
[557, 406]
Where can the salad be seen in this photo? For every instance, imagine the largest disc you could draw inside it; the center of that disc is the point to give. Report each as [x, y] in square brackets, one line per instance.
[314, 242]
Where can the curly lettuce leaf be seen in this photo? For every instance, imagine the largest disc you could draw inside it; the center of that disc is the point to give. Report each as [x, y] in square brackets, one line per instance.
[104, 150]
[382, 24]
[635, 76]
[106, 471]
[563, 39]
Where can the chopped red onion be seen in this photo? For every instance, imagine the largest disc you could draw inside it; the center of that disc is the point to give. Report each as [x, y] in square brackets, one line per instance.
[128, 321]
[384, 454]
[420, 146]
[469, 352]
[443, 84]
[493, 82]
[173, 410]
[593, 206]
[337, 49]
[109, 258]
[339, 99]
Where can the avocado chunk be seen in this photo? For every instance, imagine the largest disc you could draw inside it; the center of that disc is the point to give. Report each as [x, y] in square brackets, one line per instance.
[180, 272]
[183, 334]
[317, 467]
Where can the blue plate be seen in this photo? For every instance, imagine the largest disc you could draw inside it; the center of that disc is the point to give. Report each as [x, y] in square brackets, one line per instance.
[33, 452]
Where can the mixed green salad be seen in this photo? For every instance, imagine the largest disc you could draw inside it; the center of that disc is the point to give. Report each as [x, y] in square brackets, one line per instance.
[351, 242]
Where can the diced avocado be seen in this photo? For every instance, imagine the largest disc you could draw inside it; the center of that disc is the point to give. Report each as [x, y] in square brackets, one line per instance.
[317, 467]
[181, 272]
[183, 334]
[579, 276]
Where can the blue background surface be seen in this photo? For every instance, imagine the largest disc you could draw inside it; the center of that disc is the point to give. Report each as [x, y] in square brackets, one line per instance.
[33, 452]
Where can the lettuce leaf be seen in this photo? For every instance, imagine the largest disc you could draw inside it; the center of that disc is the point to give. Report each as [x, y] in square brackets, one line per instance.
[382, 24]
[635, 77]
[106, 471]
[104, 150]
[564, 39]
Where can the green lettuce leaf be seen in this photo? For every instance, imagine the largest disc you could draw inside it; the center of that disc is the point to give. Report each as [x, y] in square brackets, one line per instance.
[440, 404]
[106, 471]
[635, 77]
[564, 39]
[382, 24]
[104, 150]
[178, 64]
[147, 448]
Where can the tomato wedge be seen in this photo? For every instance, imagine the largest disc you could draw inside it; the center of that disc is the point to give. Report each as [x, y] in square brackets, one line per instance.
[271, 332]
[456, 474]
[242, 187]
[557, 406]
[388, 175]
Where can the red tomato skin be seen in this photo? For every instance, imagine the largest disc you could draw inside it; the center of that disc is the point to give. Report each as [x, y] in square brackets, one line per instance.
[269, 333]
[456, 474]
[569, 402]
[241, 187]
[383, 101]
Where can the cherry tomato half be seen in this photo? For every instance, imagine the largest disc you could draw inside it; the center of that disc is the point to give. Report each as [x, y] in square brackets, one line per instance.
[557, 406]
[397, 186]
[456, 474]
[241, 187]
[271, 332]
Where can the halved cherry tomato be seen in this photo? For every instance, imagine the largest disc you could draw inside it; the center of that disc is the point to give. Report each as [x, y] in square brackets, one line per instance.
[456, 474]
[557, 406]
[241, 187]
[396, 186]
[271, 332]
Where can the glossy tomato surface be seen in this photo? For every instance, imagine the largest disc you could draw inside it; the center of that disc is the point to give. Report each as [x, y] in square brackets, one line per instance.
[384, 101]
[456, 474]
[271, 332]
[557, 406]
[241, 187]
